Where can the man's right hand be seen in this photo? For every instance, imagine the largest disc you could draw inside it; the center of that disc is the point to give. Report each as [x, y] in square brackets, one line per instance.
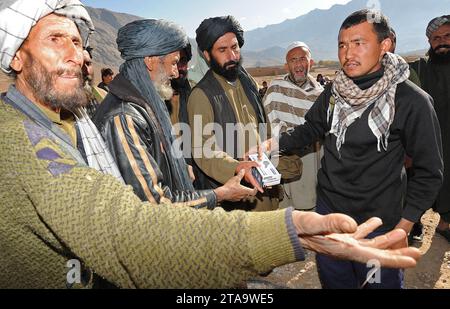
[267, 147]
[233, 191]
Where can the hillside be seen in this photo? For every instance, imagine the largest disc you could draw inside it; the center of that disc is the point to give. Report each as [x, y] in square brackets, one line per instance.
[319, 28]
[107, 23]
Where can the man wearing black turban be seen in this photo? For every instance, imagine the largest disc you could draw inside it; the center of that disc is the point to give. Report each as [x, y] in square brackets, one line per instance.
[135, 123]
[182, 89]
[227, 95]
[434, 76]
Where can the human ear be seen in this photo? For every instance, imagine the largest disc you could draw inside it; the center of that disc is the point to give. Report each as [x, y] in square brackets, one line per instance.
[206, 55]
[386, 46]
[149, 63]
[17, 62]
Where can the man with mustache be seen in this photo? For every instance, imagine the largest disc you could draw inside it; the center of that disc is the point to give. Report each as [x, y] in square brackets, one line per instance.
[434, 75]
[62, 221]
[369, 119]
[287, 101]
[135, 123]
[227, 96]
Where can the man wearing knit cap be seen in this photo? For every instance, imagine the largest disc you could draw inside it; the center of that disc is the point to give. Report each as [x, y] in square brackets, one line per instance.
[135, 123]
[434, 75]
[63, 221]
[228, 96]
[286, 103]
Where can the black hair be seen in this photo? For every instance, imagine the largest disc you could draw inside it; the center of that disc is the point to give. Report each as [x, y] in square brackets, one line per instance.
[393, 35]
[89, 50]
[107, 72]
[379, 21]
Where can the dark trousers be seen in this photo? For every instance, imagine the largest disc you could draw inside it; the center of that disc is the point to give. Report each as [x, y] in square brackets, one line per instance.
[336, 274]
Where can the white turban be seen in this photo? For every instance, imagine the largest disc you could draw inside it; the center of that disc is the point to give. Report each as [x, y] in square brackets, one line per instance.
[18, 17]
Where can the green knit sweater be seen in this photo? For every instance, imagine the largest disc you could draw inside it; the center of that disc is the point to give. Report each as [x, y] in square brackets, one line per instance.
[53, 210]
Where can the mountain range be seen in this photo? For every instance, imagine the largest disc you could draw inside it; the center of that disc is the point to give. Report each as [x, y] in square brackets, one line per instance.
[319, 29]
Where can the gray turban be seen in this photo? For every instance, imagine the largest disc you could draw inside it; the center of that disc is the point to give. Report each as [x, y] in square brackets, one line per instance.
[18, 17]
[436, 23]
[150, 37]
[210, 30]
[144, 38]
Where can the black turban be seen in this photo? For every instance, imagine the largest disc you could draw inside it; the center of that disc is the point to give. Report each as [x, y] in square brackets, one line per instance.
[210, 30]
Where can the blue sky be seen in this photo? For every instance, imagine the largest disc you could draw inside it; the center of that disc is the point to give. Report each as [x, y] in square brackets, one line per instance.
[251, 13]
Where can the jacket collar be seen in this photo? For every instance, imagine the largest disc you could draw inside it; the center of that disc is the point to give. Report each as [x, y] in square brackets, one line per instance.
[125, 90]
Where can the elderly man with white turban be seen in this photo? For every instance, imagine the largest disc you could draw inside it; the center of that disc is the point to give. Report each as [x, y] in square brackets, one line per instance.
[287, 101]
[63, 221]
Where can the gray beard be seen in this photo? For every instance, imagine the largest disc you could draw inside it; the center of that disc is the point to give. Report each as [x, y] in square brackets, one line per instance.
[163, 86]
[298, 82]
[41, 82]
[165, 91]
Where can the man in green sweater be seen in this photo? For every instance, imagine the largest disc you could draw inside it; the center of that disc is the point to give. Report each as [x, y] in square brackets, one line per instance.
[66, 225]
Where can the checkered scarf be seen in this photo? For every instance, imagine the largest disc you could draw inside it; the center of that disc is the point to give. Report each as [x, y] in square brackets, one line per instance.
[97, 154]
[351, 102]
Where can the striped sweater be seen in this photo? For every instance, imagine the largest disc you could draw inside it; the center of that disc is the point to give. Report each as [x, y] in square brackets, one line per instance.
[286, 104]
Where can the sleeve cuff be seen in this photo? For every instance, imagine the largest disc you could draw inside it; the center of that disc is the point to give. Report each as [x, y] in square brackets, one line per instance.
[273, 240]
[412, 214]
[211, 199]
[295, 241]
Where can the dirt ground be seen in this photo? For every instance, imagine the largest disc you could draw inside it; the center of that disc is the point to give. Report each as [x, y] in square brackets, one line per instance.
[432, 272]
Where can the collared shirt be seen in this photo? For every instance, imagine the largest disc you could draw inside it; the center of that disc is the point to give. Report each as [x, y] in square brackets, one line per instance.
[65, 120]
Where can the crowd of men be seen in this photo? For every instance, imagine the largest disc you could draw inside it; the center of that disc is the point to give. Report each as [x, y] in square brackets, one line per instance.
[99, 175]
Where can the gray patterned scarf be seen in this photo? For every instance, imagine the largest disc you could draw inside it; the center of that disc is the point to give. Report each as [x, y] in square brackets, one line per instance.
[351, 102]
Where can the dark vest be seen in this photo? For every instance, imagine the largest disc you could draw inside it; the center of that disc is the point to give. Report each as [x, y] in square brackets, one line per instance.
[223, 115]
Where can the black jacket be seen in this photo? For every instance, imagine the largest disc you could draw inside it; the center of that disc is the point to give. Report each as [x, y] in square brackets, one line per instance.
[362, 182]
[435, 80]
[127, 130]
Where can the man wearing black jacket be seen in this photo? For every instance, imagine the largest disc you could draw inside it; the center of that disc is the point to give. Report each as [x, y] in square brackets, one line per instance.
[370, 118]
[434, 78]
[135, 124]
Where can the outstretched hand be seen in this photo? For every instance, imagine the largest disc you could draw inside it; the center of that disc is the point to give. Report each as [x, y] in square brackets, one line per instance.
[339, 236]
[233, 191]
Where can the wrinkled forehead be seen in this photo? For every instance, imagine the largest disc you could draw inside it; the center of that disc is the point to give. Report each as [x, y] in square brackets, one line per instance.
[54, 23]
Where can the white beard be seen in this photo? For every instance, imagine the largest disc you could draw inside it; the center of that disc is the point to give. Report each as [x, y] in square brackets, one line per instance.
[163, 86]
